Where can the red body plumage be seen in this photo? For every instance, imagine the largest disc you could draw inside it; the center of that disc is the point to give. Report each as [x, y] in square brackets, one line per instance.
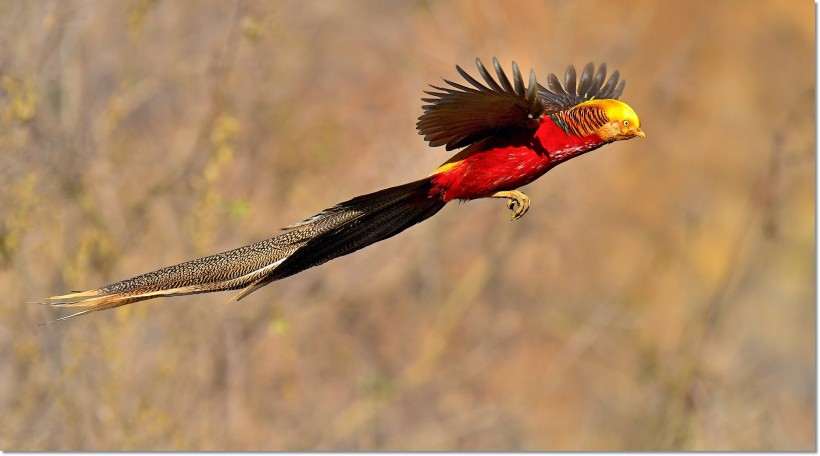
[508, 162]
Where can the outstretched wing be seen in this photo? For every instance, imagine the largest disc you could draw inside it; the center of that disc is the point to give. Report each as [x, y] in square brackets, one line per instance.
[459, 115]
[591, 86]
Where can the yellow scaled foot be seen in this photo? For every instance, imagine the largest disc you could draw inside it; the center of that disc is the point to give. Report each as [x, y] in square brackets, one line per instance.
[518, 202]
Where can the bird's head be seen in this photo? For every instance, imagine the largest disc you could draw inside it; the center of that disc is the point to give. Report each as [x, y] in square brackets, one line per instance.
[622, 122]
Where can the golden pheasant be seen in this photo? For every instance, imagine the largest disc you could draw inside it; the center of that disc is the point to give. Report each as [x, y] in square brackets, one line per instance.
[511, 134]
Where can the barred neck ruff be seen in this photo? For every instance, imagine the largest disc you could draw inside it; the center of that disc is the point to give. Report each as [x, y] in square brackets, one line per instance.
[582, 120]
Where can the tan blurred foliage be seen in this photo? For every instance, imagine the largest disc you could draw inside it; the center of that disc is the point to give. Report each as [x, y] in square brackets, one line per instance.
[658, 295]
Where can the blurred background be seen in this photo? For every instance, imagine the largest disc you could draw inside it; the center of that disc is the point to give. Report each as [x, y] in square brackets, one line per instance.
[659, 295]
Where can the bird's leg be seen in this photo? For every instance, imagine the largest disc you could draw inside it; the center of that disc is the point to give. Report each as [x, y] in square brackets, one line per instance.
[518, 202]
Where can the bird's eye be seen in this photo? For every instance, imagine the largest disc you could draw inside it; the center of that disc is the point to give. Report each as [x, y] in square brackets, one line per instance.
[626, 123]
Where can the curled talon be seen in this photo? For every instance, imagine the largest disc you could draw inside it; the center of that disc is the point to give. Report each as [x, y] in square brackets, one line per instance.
[517, 202]
[519, 208]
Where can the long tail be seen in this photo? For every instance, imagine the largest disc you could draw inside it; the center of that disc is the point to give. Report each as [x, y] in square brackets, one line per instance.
[339, 230]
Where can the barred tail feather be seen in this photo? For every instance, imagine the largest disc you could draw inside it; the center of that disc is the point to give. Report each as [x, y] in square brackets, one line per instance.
[371, 226]
[334, 232]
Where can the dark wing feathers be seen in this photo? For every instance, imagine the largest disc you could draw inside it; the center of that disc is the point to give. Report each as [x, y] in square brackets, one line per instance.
[612, 89]
[569, 79]
[458, 115]
[590, 86]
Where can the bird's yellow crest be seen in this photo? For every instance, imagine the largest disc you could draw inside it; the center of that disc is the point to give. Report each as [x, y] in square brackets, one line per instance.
[623, 123]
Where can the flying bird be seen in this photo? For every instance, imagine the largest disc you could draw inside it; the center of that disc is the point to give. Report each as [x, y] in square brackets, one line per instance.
[510, 134]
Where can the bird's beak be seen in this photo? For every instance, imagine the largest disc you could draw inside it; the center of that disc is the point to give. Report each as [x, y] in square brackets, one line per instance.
[640, 133]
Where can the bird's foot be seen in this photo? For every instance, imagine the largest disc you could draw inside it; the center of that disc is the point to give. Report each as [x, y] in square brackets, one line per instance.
[518, 202]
